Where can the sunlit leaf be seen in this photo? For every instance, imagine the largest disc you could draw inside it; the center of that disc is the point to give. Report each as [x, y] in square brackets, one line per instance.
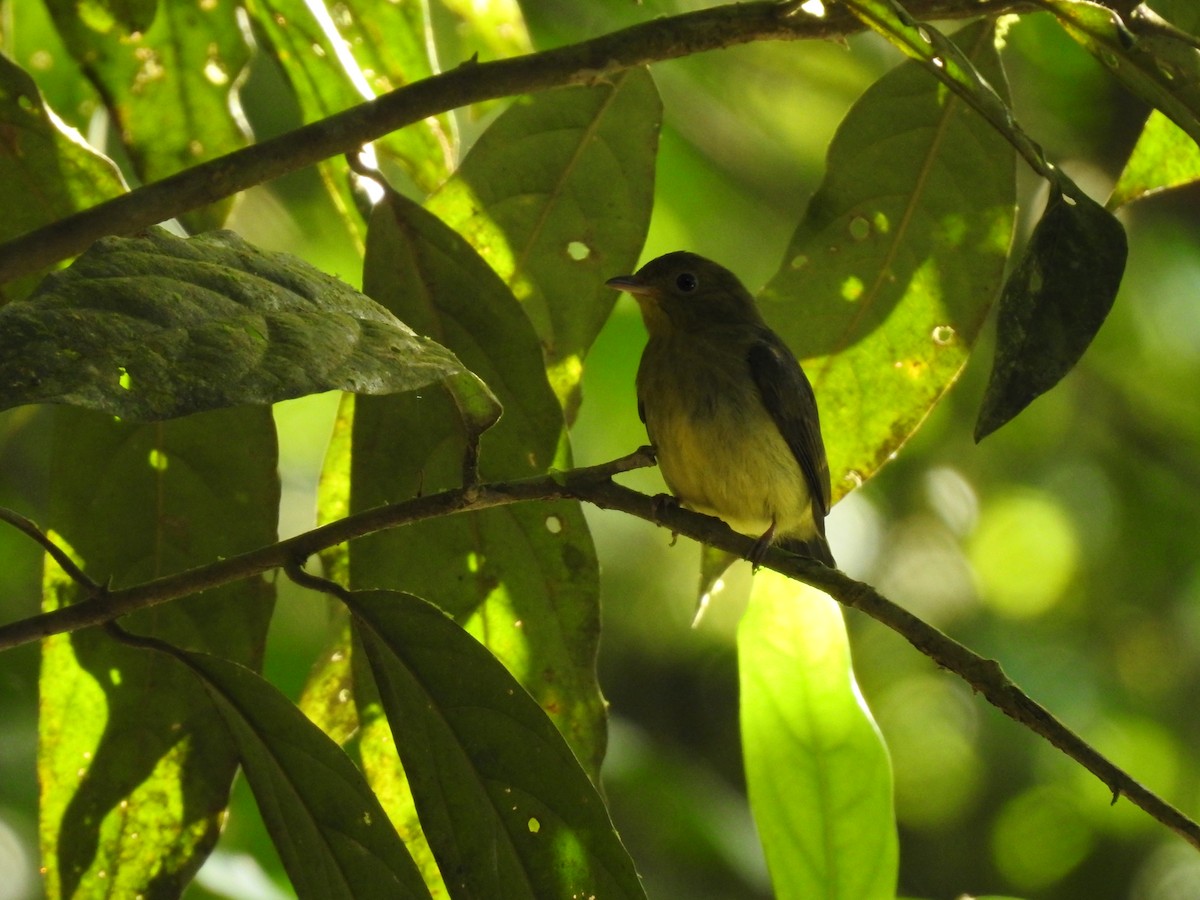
[331, 833]
[818, 773]
[133, 767]
[504, 803]
[523, 578]
[1163, 158]
[1053, 304]
[153, 327]
[900, 253]
[556, 196]
[46, 169]
[167, 72]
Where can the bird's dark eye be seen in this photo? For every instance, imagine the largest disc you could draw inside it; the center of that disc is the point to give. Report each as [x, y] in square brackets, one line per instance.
[686, 282]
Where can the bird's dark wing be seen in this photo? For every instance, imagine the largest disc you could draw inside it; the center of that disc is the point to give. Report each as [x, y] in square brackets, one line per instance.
[789, 399]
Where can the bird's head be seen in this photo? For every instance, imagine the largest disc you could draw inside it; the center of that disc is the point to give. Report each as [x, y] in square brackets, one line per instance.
[685, 292]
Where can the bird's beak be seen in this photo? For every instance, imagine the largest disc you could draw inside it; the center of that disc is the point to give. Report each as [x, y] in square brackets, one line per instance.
[631, 284]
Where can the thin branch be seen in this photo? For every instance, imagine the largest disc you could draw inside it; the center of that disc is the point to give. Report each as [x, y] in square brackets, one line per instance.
[594, 485]
[29, 527]
[587, 62]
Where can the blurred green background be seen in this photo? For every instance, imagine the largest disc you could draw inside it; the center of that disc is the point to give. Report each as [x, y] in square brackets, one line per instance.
[1064, 546]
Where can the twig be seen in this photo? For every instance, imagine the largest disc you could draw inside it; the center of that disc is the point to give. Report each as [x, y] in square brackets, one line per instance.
[594, 485]
[29, 527]
[584, 63]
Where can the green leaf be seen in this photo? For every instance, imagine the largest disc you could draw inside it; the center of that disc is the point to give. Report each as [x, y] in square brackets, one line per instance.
[943, 59]
[134, 773]
[1163, 158]
[1053, 304]
[556, 196]
[523, 578]
[153, 327]
[890, 274]
[46, 170]
[333, 837]
[504, 802]
[1160, 67]
[817, 770]
[167, 72]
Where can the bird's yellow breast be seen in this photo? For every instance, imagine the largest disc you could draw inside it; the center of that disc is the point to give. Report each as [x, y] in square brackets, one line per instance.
[718, 448]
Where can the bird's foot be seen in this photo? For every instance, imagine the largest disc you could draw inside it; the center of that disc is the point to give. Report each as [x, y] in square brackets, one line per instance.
[760, 548]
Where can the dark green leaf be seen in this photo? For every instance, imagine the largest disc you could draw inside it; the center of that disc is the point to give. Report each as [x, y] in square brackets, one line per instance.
[556, 196]
[332, 835]
[890, 274]
[134, 771]
[1053, 304]
[504, 803]
[153, 327]
[167, 72]
[818, 773]
[46, 172]
[523, 578]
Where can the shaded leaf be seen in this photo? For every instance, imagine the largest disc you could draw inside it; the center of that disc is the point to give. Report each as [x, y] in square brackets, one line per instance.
[134, 774]
[153, 327]
[818, 774]
[1053, 304]
[167, 73]
[46, 168]
[1163, 158]
[523, 578]
[890, 274]
[556, 196]
[331, 833]
[1161, 68]
[505, 804]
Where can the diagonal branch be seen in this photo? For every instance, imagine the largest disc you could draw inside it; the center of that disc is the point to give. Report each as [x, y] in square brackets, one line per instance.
[584, 63]
[594, 485]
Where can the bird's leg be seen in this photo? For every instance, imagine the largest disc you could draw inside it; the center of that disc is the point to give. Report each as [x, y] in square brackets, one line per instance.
[659, 503]
[761, 546]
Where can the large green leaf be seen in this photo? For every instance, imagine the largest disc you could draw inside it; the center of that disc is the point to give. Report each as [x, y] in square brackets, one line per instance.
[167, 72]
[523, 578]
[1054, 303]
[504, 802]
[817, 770]
[153, 327]
[46, 170]
[134, 774]
[556, 196]
[901, 251]
[1163, 158]
[332, 835]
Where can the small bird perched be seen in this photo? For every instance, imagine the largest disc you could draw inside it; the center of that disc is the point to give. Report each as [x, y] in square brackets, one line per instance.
[730, 413]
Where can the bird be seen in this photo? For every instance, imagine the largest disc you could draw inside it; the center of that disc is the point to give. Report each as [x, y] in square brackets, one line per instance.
[729, 411]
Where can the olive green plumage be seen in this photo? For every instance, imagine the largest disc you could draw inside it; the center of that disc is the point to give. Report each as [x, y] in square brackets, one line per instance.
[730, 413]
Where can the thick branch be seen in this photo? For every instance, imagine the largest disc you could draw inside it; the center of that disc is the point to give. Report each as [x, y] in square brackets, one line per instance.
[594, 485]
[345, 132]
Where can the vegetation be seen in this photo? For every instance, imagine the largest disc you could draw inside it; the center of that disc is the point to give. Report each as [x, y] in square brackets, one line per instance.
[392, 311]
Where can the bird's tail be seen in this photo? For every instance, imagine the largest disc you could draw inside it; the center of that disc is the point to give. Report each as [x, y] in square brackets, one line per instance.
[815, 547]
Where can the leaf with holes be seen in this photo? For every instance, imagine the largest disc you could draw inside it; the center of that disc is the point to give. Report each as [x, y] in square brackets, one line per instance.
[153, 327]
[505, 805]
[556, 196]
[1054, 303]
[895, 264]
[168, 73]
